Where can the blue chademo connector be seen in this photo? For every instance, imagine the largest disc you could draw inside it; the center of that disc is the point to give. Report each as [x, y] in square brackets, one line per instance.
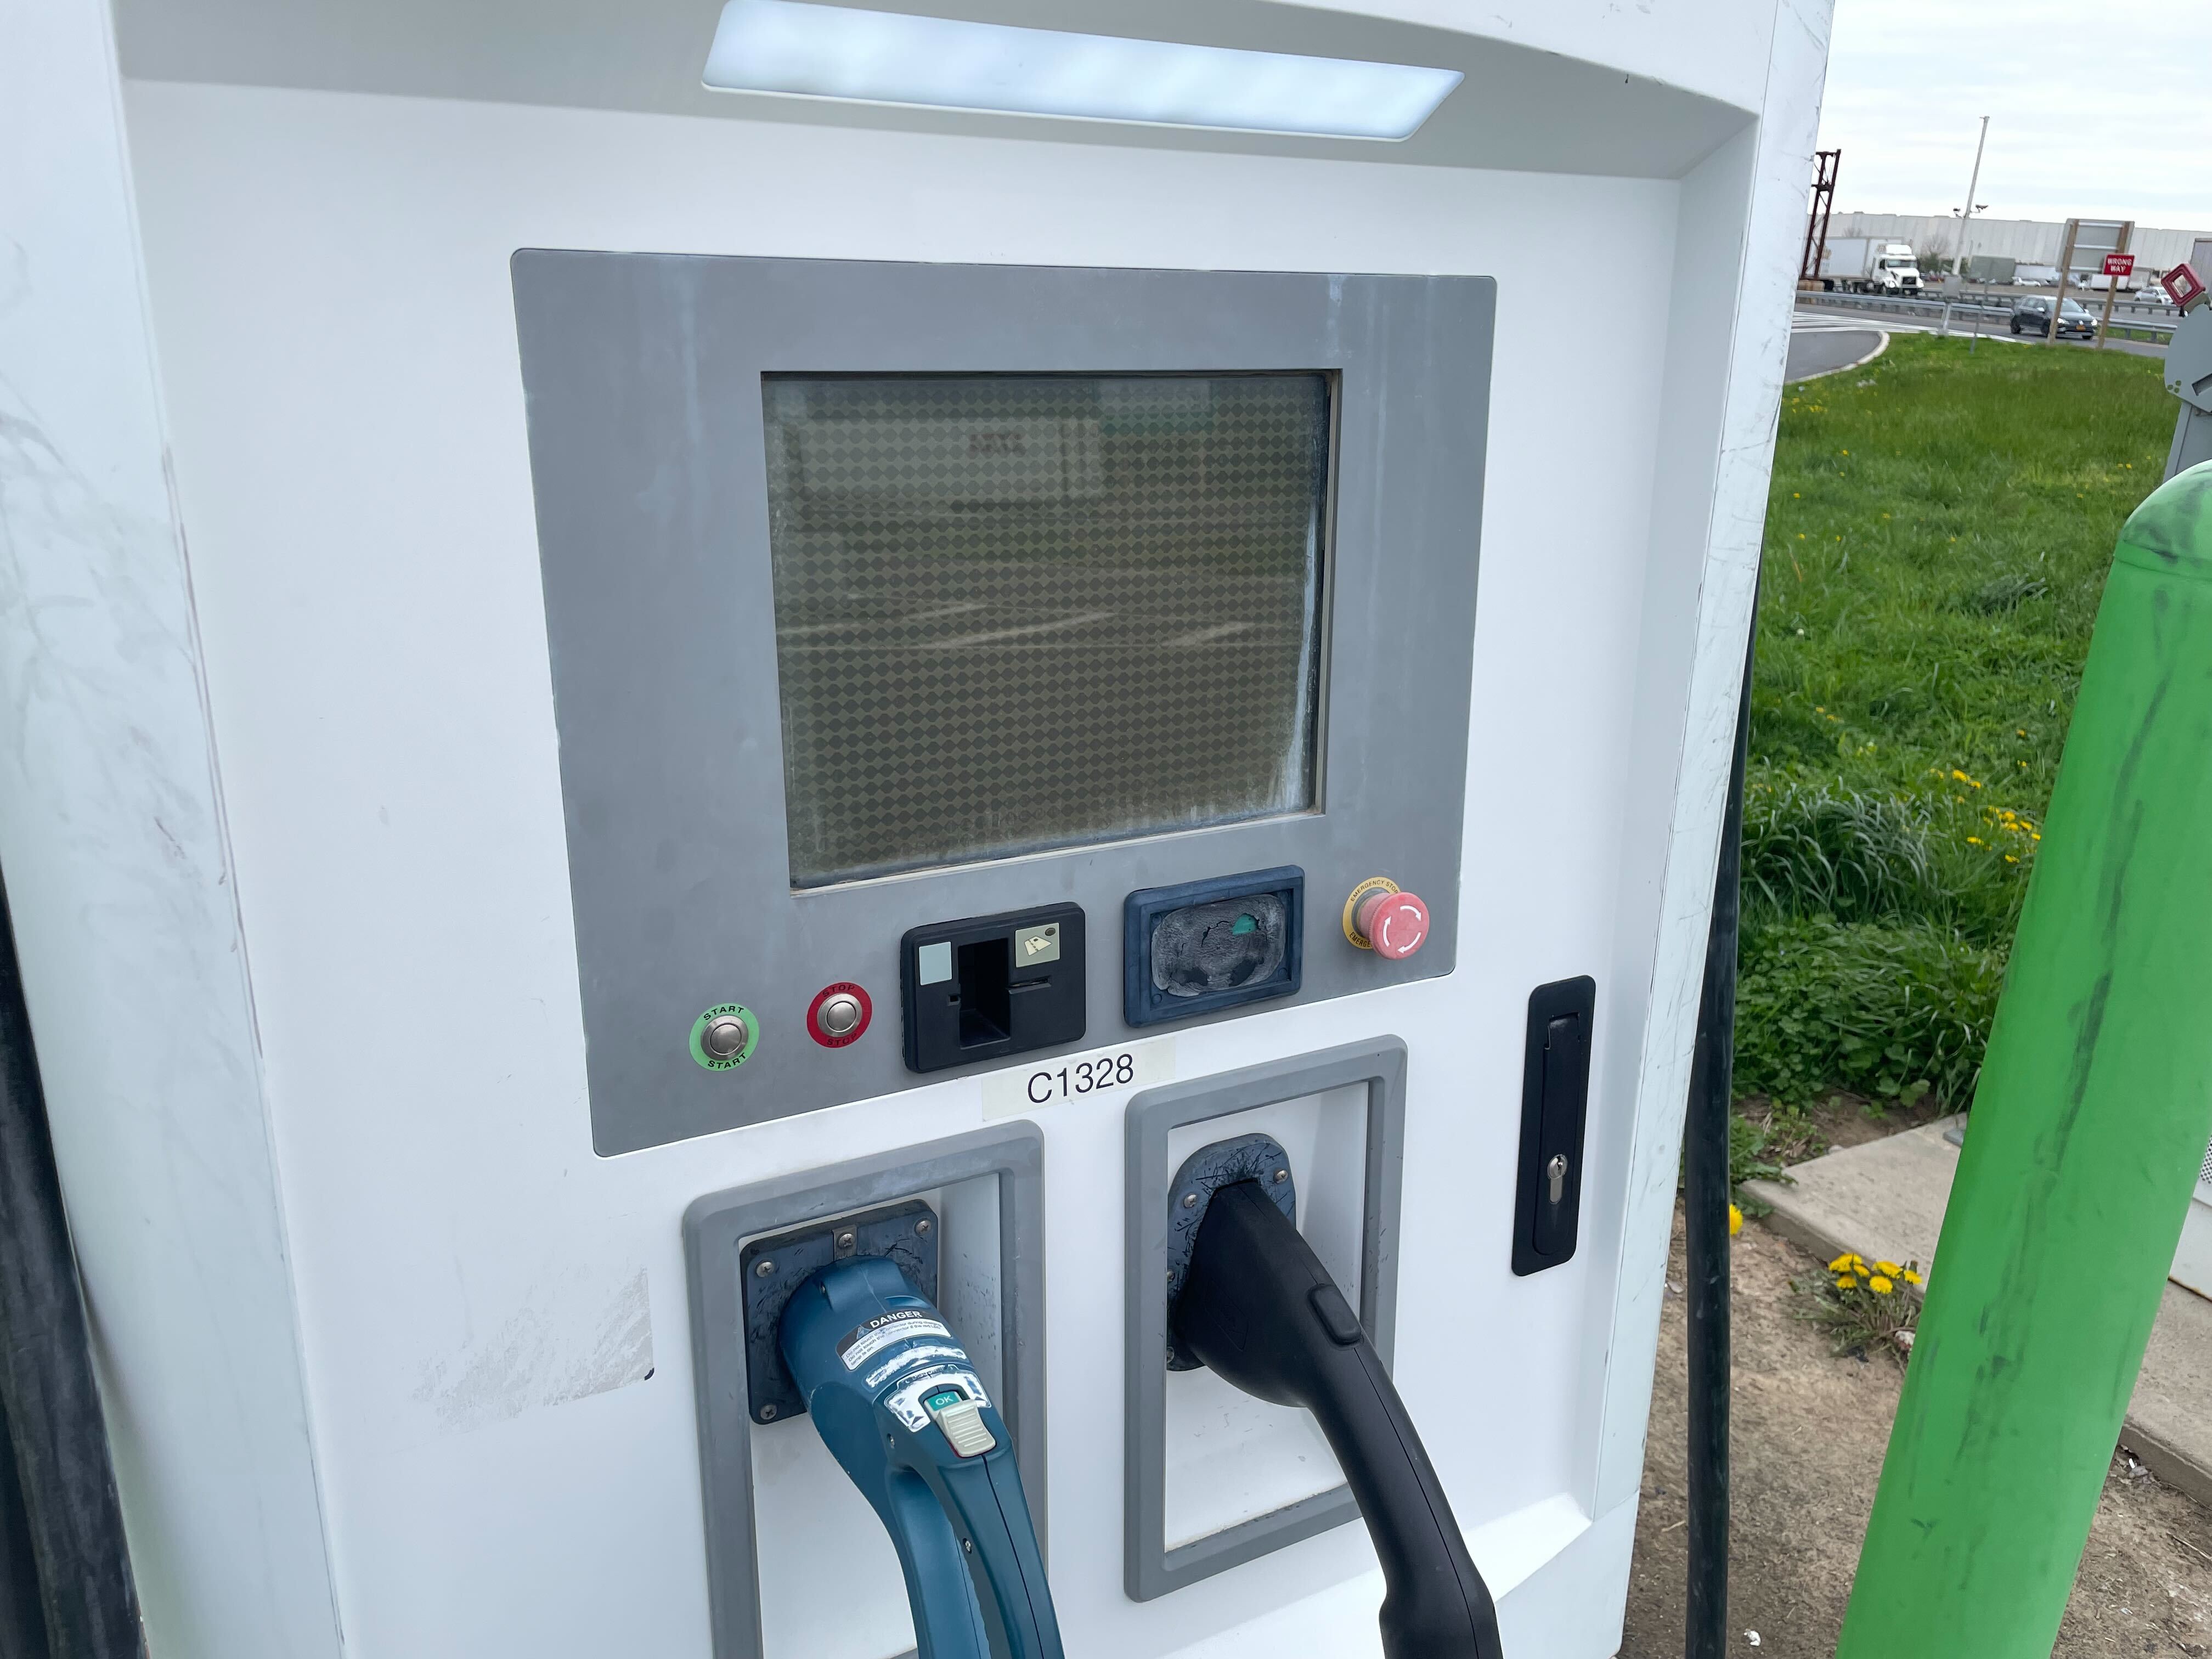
[896, 1400]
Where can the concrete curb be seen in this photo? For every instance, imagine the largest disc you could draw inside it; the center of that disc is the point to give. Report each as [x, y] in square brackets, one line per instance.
[1885, 1200]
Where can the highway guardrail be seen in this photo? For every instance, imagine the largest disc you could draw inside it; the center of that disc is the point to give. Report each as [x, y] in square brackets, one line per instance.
[2132, 326]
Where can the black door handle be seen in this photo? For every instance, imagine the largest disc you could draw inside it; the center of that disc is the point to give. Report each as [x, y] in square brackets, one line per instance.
[1258, 1307]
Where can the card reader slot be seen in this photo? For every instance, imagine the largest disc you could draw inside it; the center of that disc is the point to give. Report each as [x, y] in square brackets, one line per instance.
[986, 986]
[981, 979]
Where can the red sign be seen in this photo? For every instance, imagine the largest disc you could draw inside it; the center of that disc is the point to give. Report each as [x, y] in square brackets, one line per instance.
[2183, 286]
[2119, 264]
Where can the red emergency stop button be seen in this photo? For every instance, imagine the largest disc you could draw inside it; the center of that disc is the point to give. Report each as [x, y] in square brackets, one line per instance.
[1396, 924]
[838, 1014]
[1380, 917]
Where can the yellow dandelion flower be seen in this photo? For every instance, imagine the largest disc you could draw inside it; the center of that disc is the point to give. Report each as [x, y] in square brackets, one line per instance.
[1842, 1263]
[1847, 1284]
[1736, 1221]
[1881, 1284]
[1973, 841]
[1889, 1267]
[1911, 1277]
[2009, 859]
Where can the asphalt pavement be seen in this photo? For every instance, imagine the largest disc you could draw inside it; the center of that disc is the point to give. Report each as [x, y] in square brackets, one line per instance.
[1963, 326]
[1823, 351]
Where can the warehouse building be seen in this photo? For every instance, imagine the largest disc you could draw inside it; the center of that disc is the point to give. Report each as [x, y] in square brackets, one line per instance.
[2029, 241]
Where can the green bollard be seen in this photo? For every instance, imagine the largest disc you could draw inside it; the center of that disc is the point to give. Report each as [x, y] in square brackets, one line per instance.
[2088, 1128]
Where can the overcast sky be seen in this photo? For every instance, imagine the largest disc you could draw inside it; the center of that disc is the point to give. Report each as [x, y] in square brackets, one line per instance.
[2097, 111]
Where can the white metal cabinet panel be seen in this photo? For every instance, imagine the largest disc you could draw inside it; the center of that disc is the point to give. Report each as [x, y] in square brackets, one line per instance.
[1600, 90]
[493, 1318]
[119, 880]
[1718, 508]
[1724, 55]
[2192, 1258]
[353, 713]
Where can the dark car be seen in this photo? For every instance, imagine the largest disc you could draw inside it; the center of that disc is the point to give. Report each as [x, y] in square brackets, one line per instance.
[2031, 314]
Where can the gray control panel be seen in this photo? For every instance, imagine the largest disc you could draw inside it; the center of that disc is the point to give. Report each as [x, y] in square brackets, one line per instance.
[884, 596]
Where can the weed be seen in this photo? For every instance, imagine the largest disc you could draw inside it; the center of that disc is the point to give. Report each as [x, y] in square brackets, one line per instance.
[1871, 1007]
[2005, 592]
[1864, 1307]
[1750, 1159]
[1811, 848]
[1786, 1134]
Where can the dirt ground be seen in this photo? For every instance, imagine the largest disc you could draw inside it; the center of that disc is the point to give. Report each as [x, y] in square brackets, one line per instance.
[1807, 1434]
[1840, 1120]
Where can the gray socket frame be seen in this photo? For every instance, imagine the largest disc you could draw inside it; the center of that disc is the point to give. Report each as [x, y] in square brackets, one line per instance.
[642, 380]
[1150, 1568]
[713, 1227]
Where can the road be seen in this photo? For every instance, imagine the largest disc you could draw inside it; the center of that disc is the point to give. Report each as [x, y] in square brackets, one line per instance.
[1834, 316]
[1819, 347]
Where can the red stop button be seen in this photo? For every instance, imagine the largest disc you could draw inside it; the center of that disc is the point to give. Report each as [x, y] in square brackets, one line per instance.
[1395, 924]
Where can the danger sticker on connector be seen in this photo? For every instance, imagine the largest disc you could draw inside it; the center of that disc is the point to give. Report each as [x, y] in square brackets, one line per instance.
[952, 1353]
[864, 1342]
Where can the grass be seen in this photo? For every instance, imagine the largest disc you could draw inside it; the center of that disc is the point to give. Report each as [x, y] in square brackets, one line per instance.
[1936, 542]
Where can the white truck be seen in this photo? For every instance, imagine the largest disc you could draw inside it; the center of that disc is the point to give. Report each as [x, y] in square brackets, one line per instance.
[1863, 264]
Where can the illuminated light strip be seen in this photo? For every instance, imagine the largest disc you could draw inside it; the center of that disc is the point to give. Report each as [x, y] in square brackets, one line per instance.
[943, 63]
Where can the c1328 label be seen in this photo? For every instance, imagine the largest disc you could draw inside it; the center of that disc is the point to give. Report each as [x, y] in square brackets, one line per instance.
[1078, 1077]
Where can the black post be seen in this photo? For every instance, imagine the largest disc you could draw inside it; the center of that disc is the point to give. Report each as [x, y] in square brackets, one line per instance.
[23, 1616]
[71, 1523]
[1705, 1221]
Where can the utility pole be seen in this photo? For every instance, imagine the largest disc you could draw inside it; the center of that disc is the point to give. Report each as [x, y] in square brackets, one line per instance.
[1974, 184]
[1828, 164]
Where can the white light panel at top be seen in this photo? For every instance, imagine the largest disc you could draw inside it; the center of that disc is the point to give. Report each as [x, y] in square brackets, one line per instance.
[892, 57]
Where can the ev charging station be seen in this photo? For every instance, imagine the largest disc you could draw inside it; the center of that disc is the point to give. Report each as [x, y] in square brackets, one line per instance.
[805, 875]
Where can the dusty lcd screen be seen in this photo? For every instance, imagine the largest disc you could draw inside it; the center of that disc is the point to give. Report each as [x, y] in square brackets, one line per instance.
[1015, 612]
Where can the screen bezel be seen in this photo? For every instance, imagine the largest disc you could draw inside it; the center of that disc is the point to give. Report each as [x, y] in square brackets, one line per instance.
[642, 382]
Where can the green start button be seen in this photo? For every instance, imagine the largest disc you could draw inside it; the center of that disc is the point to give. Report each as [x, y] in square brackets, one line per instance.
[724, 1038]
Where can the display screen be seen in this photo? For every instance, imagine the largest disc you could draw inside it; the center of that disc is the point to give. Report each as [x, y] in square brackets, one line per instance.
[1015, 612]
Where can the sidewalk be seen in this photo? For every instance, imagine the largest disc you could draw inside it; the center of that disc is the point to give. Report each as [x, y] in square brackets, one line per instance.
[1884, 1199]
